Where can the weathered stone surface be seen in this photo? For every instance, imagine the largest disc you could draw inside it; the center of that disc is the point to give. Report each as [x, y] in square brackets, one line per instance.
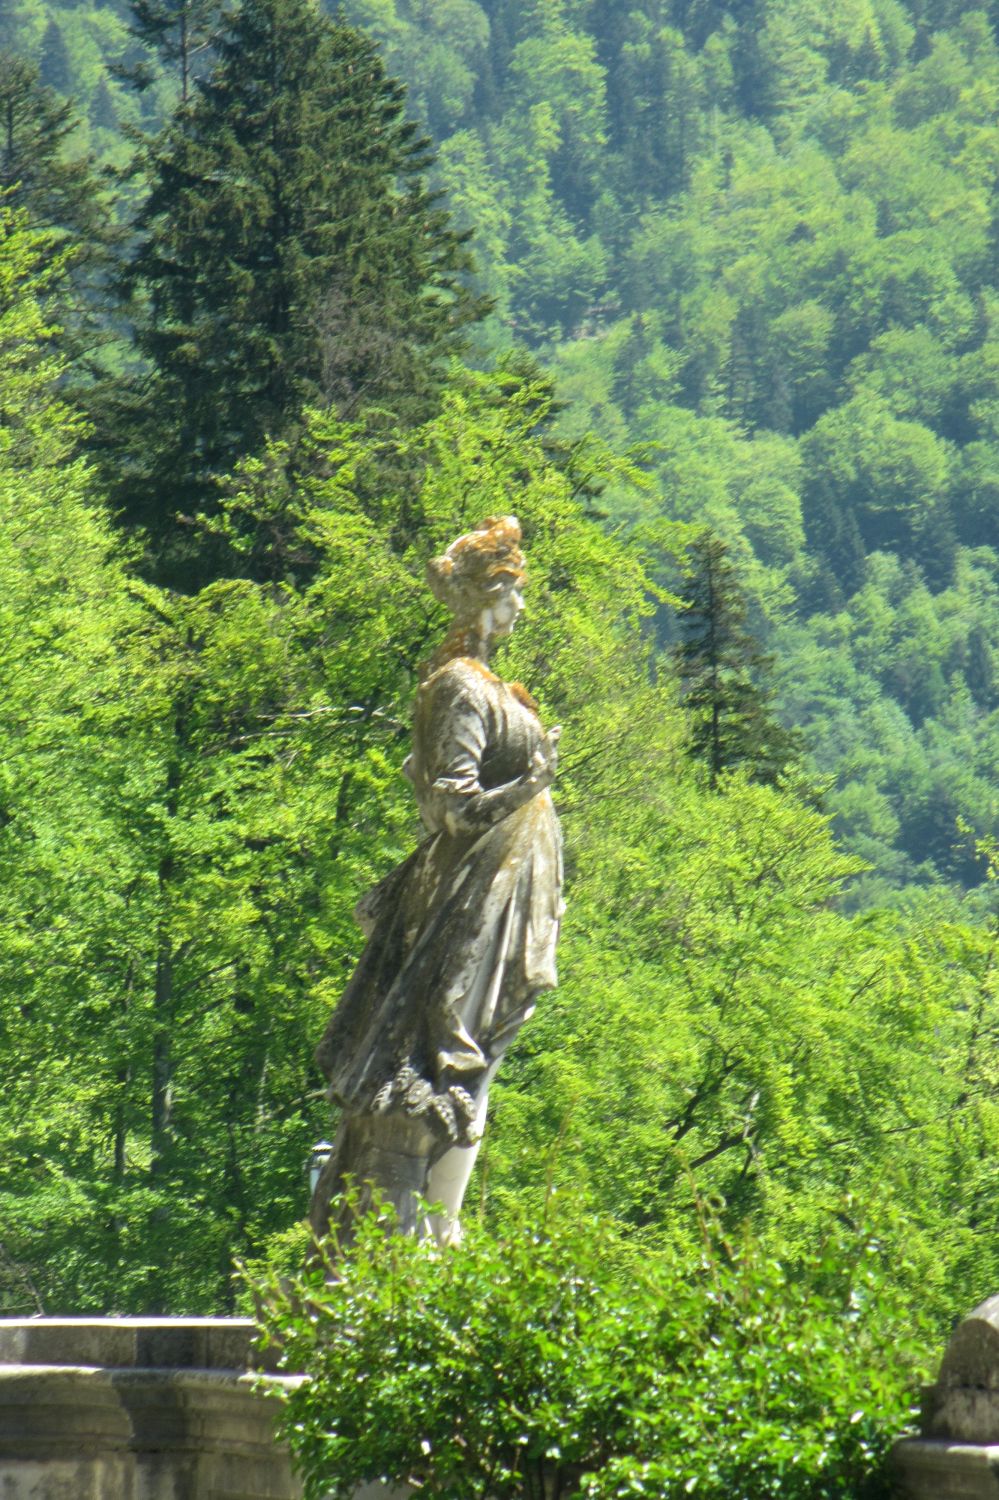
[158, 1343]
[461, 935]
[957, 1452]
[936, 1470]
[962, 1414]
[89, 1412]
[972, 1357]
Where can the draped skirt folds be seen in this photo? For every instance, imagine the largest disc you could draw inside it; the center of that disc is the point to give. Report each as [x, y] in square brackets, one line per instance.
[461, 939]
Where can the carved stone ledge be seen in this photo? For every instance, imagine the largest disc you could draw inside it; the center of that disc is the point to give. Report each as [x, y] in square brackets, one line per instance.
[137, 1409]
[933, 1469]
[149, 1343]
[956, 1456]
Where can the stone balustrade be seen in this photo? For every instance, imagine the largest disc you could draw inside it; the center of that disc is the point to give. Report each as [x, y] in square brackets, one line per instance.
[956, 1456]
[138, 1409]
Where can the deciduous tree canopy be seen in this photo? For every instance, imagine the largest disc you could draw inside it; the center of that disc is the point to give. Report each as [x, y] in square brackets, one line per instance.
[753, 248]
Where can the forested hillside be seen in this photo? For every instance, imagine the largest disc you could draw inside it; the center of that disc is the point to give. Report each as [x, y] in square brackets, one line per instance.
[757, 241]
[760, 239]
[734, 272]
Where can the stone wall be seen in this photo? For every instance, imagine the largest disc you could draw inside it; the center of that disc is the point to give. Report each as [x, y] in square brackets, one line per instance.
[956, 1456]
[137, 1409]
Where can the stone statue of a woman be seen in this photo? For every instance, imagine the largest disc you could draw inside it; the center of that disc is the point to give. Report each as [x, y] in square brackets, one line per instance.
[461, 936]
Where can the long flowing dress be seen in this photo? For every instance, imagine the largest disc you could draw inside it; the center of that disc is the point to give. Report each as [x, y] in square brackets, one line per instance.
[461, 936]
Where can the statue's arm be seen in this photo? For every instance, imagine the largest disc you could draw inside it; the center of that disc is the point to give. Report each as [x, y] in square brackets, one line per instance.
[461, 733]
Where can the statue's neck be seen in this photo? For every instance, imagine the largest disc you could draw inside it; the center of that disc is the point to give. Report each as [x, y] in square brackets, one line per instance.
[463, 640]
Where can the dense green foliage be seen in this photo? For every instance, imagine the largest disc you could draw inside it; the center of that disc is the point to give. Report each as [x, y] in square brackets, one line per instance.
[722, 673]
[760, 240]
[200, 786]
[45, 173]
[755, 244]
[560, 1361]
[287, 251]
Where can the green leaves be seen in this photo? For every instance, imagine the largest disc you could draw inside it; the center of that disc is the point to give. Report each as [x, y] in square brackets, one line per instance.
[759, 244]
[723, 674]
[564, 1356]
[287, 251]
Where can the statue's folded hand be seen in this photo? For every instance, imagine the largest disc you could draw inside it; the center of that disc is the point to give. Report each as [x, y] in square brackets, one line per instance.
[544, 764]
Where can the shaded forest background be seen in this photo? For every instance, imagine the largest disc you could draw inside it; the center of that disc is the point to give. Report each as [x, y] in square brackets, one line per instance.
[734, 269]
[759, 240]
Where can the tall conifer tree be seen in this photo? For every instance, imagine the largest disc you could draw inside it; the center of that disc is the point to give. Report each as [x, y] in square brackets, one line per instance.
[179, 32]
[288, 252]
[55, 67]
[102, 113]
[57, 189]
[723, 674]
[60, 192]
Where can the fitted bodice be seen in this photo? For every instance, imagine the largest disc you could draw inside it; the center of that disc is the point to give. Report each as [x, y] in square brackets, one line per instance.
[472, 736]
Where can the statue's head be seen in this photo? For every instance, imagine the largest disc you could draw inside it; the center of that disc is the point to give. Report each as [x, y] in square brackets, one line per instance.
[482, 574]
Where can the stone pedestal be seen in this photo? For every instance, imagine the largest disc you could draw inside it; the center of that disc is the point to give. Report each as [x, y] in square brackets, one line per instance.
[137, 1409]
[956, 1456]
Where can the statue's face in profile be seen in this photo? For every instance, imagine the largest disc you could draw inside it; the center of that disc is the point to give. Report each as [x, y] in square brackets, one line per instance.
[502, 614]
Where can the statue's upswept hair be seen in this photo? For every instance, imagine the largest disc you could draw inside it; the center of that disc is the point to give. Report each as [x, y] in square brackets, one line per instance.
[479, 563]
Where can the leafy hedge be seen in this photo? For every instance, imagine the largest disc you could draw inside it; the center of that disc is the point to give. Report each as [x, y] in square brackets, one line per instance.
[571, 1361]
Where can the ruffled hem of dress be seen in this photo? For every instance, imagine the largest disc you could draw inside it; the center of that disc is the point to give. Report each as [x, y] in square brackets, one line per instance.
[450, 1113]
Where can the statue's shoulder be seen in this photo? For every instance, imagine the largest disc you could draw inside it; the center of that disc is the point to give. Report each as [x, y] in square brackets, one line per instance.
[462, 676]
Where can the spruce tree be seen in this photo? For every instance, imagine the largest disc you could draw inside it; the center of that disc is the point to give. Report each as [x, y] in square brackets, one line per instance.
[979, 670]
[835, 542]
[55, 67]
[59, 192]
[8, 24]
[103, 115]
[288, 253]
[179, 32]
[723, 673]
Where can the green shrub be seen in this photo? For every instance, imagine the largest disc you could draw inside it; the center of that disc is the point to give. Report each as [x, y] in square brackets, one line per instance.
[573, 1361]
